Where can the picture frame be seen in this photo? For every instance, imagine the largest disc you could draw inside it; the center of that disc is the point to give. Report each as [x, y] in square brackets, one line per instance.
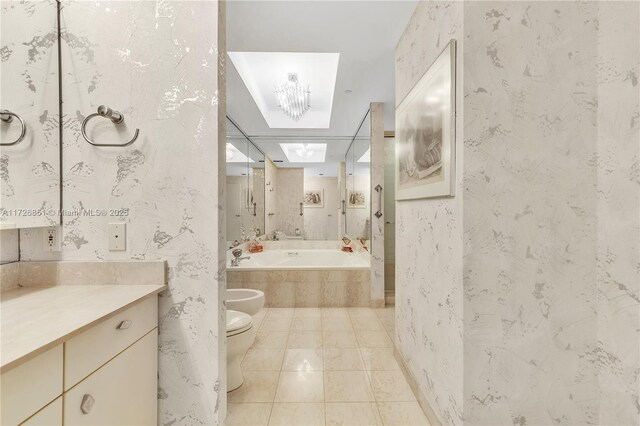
[357, 199]
[425, 132]
[314, 198]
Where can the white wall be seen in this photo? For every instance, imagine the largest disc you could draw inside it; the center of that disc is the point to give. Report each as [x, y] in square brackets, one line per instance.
[158, 62]
[322, 223]
[545, 287]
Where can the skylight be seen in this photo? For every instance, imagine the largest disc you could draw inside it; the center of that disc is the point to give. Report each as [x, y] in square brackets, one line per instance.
[366, 157]
[305, 152]
[263, 72]
[235, 156]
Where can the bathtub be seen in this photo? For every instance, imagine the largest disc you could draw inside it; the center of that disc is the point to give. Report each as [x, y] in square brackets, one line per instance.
[297, 259]
[305, 277]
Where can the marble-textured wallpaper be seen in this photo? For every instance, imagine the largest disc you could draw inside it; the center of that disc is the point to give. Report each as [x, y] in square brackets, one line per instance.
[547, 216]
[30, 169]
[429, 295]
[618, 210]
[160, 64]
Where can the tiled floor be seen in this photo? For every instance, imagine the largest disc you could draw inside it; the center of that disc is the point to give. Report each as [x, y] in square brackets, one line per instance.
[323, 366]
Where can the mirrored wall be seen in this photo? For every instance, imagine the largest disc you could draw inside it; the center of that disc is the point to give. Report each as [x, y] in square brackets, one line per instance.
[29, 115]
[358, 183]
[245, 196]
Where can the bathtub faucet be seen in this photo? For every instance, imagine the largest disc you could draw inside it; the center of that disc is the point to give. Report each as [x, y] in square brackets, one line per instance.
[236, 254]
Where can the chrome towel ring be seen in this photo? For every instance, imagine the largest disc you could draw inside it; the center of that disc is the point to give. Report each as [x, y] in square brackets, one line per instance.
[6, 116]
[116, 118]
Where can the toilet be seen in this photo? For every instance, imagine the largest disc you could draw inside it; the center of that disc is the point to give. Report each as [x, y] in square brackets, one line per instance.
[240, 336]
[245, 300]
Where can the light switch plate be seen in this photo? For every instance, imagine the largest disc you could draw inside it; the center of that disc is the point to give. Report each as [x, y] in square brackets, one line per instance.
[117, 236]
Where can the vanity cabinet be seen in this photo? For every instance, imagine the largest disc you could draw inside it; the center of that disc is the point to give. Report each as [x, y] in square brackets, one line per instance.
[123, 392]
[106, 374]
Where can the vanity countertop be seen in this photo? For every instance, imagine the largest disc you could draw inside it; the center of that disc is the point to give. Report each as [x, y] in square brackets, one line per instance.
[34, 319]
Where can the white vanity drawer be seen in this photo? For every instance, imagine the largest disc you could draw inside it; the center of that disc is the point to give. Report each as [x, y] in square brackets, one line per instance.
[30, 386]
[51, 415]
[122, 392]
[91, 349]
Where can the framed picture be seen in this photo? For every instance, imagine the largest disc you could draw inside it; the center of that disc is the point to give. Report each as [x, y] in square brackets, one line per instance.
[314, 198]
[357, 199]
[425, 133]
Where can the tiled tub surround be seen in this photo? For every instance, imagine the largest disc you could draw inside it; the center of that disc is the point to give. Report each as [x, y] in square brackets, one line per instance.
[330, 285]
[317, 366]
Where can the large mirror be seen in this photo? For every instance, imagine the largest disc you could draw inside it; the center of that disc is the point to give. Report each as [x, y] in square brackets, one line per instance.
[245, 206]
[29, 115]
[358, 183]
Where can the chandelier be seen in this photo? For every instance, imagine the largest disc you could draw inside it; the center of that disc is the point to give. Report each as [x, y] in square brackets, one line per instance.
[304, 152]
[293, 99]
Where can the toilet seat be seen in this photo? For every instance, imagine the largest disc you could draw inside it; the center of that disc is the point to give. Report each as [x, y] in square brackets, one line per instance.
[238, 322]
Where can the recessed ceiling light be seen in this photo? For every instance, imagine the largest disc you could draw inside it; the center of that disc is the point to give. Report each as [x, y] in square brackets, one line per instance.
[305, 152]
[348, 91]
[235, 156]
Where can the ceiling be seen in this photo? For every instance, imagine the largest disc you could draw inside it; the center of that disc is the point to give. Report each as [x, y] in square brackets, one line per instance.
[364, 33]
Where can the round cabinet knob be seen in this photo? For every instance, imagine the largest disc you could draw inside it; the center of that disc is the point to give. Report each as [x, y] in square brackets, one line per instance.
[87, 403]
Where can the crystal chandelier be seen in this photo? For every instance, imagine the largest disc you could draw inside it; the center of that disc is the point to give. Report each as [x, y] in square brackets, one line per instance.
[293, 99]
[304, 152]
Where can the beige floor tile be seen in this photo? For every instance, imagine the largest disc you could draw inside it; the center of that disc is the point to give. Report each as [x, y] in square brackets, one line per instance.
[304, 339]
[379, 359]
[307, 312]
[388, 312]
[340, 359]
[367, 324]
[306, 324]
[336, 324]
[402, 414]
[279, 313]
[258, 386]
[335, 313]
[390, 386]
[263, 360]
[362, 313]
[373, 339]
[276, 324]
[248, 414]
[389, 324]
[270, 340]
[303, 360]
[347, 386]
[300, 387]
[352, 413]
[297, 414]
[339, 339]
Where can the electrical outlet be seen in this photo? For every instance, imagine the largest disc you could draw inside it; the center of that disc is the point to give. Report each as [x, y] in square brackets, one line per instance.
[117, 236]
[50, 240]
